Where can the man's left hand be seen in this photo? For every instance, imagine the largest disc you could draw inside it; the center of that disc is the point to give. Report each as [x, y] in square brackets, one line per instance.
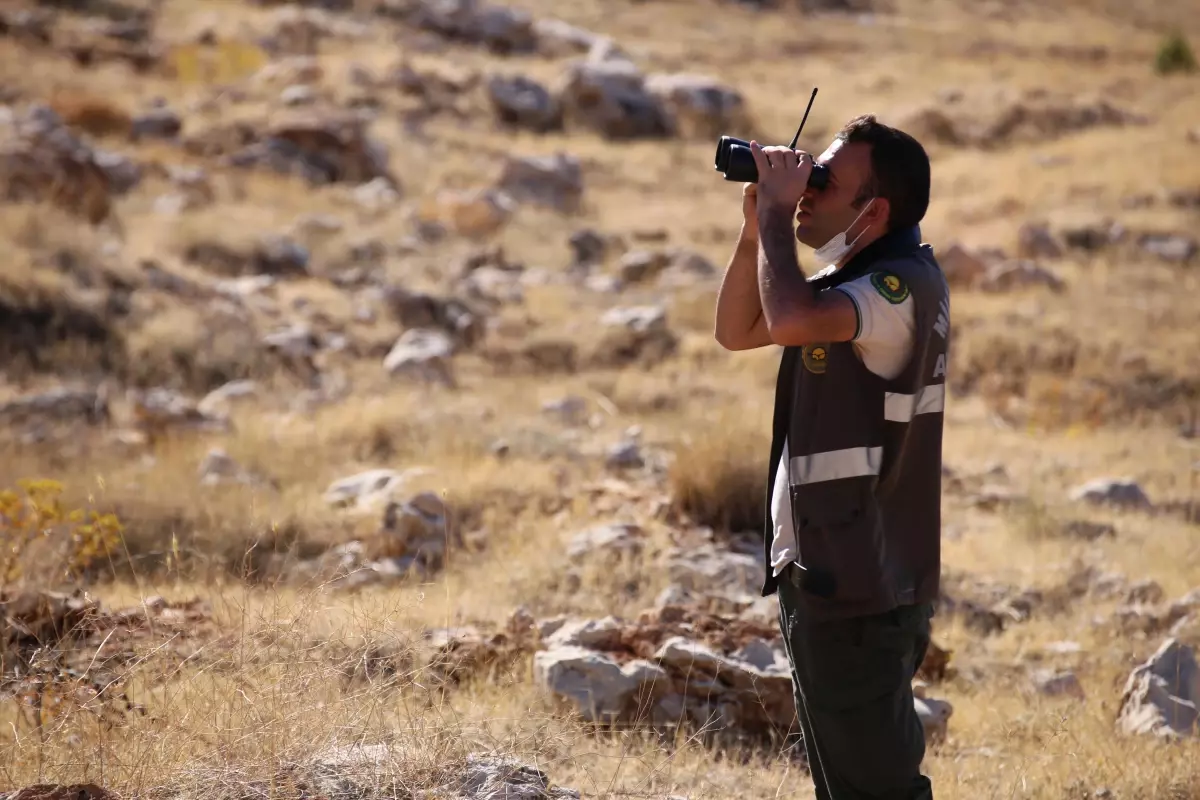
[782, 175]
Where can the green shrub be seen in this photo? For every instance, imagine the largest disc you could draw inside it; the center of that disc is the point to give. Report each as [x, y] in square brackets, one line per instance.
[1174, 55]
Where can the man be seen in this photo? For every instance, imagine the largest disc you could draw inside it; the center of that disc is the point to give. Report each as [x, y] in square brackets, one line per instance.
[853, 533]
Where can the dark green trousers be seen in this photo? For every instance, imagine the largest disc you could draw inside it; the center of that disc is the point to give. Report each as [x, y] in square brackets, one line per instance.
[852, 681]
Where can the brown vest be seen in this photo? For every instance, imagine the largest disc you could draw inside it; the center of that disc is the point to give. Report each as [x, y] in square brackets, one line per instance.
[866, 452]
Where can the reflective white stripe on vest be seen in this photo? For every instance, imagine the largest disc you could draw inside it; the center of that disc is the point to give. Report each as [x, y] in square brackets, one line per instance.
[835, 464]
[903, 407]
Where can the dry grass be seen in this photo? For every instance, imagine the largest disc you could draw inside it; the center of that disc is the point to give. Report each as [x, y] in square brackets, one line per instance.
[717, 477]
[1056, 387]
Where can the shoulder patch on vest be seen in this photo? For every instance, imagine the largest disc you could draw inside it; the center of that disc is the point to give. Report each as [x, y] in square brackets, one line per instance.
[889, 284]
[815, 358]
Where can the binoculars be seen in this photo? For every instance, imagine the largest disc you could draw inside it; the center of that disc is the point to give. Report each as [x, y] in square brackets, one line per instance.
[736, 162]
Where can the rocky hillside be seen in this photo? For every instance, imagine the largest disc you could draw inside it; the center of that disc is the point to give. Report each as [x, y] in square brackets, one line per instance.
[364, 434]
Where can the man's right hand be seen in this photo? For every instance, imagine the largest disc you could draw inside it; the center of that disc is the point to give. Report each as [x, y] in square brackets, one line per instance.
[750, 211]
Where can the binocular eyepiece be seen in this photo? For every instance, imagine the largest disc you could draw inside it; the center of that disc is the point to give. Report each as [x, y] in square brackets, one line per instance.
[736, 162]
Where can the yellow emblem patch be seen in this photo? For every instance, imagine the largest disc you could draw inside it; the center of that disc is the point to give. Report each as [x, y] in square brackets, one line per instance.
[816, 358]
[893, 289]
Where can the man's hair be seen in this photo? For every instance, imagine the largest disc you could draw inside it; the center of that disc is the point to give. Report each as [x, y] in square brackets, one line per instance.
[899, 169]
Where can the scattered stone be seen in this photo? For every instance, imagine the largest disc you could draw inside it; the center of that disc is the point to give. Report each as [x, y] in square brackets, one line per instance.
[1183, 198]
[33, 26]
[438, 90]
[1120, 492]
[934, 714]
[572, 409]
[992, 497]
[988, 608]
[602, 689]
[276, 256]
[502, 30]
[603, 284]
[418, 310]
[554, 181]
[1063, 648]
[1150, 618]
[298, 95]
[297, 342]
[157, 412]
[291, 71]
[192, 190]
[600, 634]
[322, 148]
[42, 160]
[300, 31]
[219, 401]
[475, 213]
[489, 777]
[1105, 586]
[610, 98]
[674, 679]
[698, 105]
[588, 248]
[375, 196]
[989, 123]
[56, 406]
[715, 572]
[641, 265]
[360, 771]
[424, 354]
[960, 266]
[1093, 237]
[1088, 531]
[1146, 592]
[157, 123]
[558, 38]
[1161, 696]
[414, 538]
[1170, 247]
[493, 286]
[369, 491]
[625, 454]
[1034, 240]
[416, 531]
[1019, 274]
[635, 334]
[1054, 683]
[524, 103]
[621, 539]
[219, 468]
[685, 267]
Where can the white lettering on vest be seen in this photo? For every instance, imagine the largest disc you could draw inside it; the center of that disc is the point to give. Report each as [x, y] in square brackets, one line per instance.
[942, 326]
[939, 369]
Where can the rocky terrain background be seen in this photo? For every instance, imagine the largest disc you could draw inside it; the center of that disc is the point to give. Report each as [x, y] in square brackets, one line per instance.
[364, 434]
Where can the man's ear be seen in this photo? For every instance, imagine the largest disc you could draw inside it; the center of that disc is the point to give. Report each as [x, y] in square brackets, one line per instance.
[879, 212]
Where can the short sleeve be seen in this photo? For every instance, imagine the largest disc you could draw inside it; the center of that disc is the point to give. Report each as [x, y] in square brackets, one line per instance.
[886, 322]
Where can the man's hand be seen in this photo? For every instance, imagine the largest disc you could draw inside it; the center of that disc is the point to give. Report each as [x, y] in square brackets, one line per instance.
[782, 175]
[795, 313]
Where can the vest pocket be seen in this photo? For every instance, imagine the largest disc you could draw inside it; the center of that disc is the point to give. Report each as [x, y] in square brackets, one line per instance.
[837, 538]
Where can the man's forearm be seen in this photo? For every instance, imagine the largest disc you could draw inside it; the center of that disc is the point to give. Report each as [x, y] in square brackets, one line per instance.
[782, 286]
[738, 306]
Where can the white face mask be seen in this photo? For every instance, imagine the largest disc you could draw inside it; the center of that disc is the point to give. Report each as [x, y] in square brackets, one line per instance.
[832, 252]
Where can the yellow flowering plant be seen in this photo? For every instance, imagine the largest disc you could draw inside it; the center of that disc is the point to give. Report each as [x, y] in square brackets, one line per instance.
[33, 518]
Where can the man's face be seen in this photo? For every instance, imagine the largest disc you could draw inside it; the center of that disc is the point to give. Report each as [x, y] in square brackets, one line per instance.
[825, 213]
